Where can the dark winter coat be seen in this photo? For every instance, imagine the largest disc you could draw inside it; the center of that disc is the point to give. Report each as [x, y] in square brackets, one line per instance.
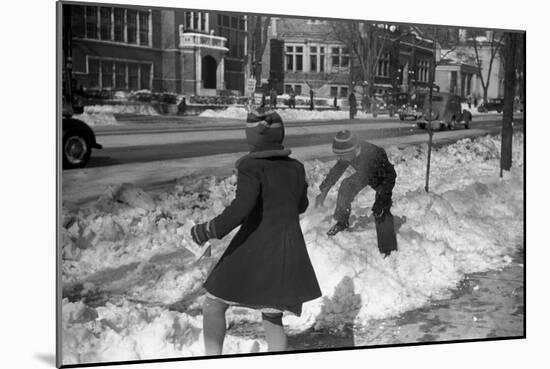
[372, 168]
[266, 263]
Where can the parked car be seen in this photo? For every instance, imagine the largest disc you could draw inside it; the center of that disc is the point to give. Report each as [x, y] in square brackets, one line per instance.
[412, 108]
[447, 112]
[78, 139]
[491, 105]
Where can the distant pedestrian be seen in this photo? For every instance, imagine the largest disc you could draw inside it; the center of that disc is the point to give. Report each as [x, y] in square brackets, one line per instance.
[475, 101]
[335, 102]
[273, 98]
[266, 266]
[352, 105]
[372, 168]
[292, 99]
[311, 105]
[262, 104]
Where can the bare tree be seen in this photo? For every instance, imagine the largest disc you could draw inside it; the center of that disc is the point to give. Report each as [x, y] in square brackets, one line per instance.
[257, 38]
[493, 44]
[367, 43]
[510, 71]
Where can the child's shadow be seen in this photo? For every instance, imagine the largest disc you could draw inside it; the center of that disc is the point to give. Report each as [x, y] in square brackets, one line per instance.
[340, 312]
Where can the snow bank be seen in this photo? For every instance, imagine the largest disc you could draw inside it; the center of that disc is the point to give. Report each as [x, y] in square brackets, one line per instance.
[103, 115]
[140, 109]
[288, 115]
[471, 221]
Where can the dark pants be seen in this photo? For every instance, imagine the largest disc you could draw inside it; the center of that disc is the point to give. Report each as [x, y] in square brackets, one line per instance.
[349, 188]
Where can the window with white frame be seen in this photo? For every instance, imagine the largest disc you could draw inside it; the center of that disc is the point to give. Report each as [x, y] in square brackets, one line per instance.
[119, 74]
[339, 58]
[339, 91]
[105, 23]
[423, 70]
[198, 21]
[316, 59]
[294, 58]
[118, 25]
[383, 67]
[91, 22]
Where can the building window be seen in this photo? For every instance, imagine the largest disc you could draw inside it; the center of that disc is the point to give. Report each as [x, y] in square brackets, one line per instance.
[290, 58]
[299, 56]
[294, 58]
[115, 24]
[196, 21]
[91, 22]
[316, 59]
[132, 26]
[144, 28]
[313, 59]
[78, 24]
[333, 91]
[225, 20]
[119, 24]
[343, 91]
[133, 73]
[383, 68]
[120, 75]
[106, 74]
[321, 59]
[145, 76]
[340, 58]
[93, 73]
[105, 23]
[423, 70]
[298, 89]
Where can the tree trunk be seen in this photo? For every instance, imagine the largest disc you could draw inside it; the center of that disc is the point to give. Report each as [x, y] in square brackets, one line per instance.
[508, 109]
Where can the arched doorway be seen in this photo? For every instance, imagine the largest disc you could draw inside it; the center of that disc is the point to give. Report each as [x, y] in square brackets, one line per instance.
[209, 70]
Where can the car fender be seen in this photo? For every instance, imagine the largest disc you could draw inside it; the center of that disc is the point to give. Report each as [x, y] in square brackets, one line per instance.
[79, 127]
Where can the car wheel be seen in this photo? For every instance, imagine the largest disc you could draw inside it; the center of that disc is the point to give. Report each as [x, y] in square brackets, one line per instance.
[76, 151]
[498, 111]
[421, 125]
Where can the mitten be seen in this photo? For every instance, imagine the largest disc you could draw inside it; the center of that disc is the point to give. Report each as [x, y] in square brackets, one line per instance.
[200, 233]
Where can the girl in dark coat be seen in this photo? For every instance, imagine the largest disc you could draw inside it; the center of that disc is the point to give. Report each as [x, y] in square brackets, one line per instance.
[266, 265]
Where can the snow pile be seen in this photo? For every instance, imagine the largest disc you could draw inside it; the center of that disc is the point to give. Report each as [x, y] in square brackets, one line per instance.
[99, 119]
[139, 109]
[134, 332]
[288, 115]
[103, 115]
[231, 112]
[142, 289]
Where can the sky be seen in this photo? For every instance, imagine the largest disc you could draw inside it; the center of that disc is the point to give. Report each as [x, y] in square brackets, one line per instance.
[30, 184]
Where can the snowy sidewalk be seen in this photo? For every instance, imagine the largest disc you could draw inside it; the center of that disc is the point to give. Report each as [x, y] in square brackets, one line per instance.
[486, 305]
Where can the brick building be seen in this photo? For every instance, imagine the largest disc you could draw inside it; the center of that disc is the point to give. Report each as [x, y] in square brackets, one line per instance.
[315, 58]
[176, 50]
